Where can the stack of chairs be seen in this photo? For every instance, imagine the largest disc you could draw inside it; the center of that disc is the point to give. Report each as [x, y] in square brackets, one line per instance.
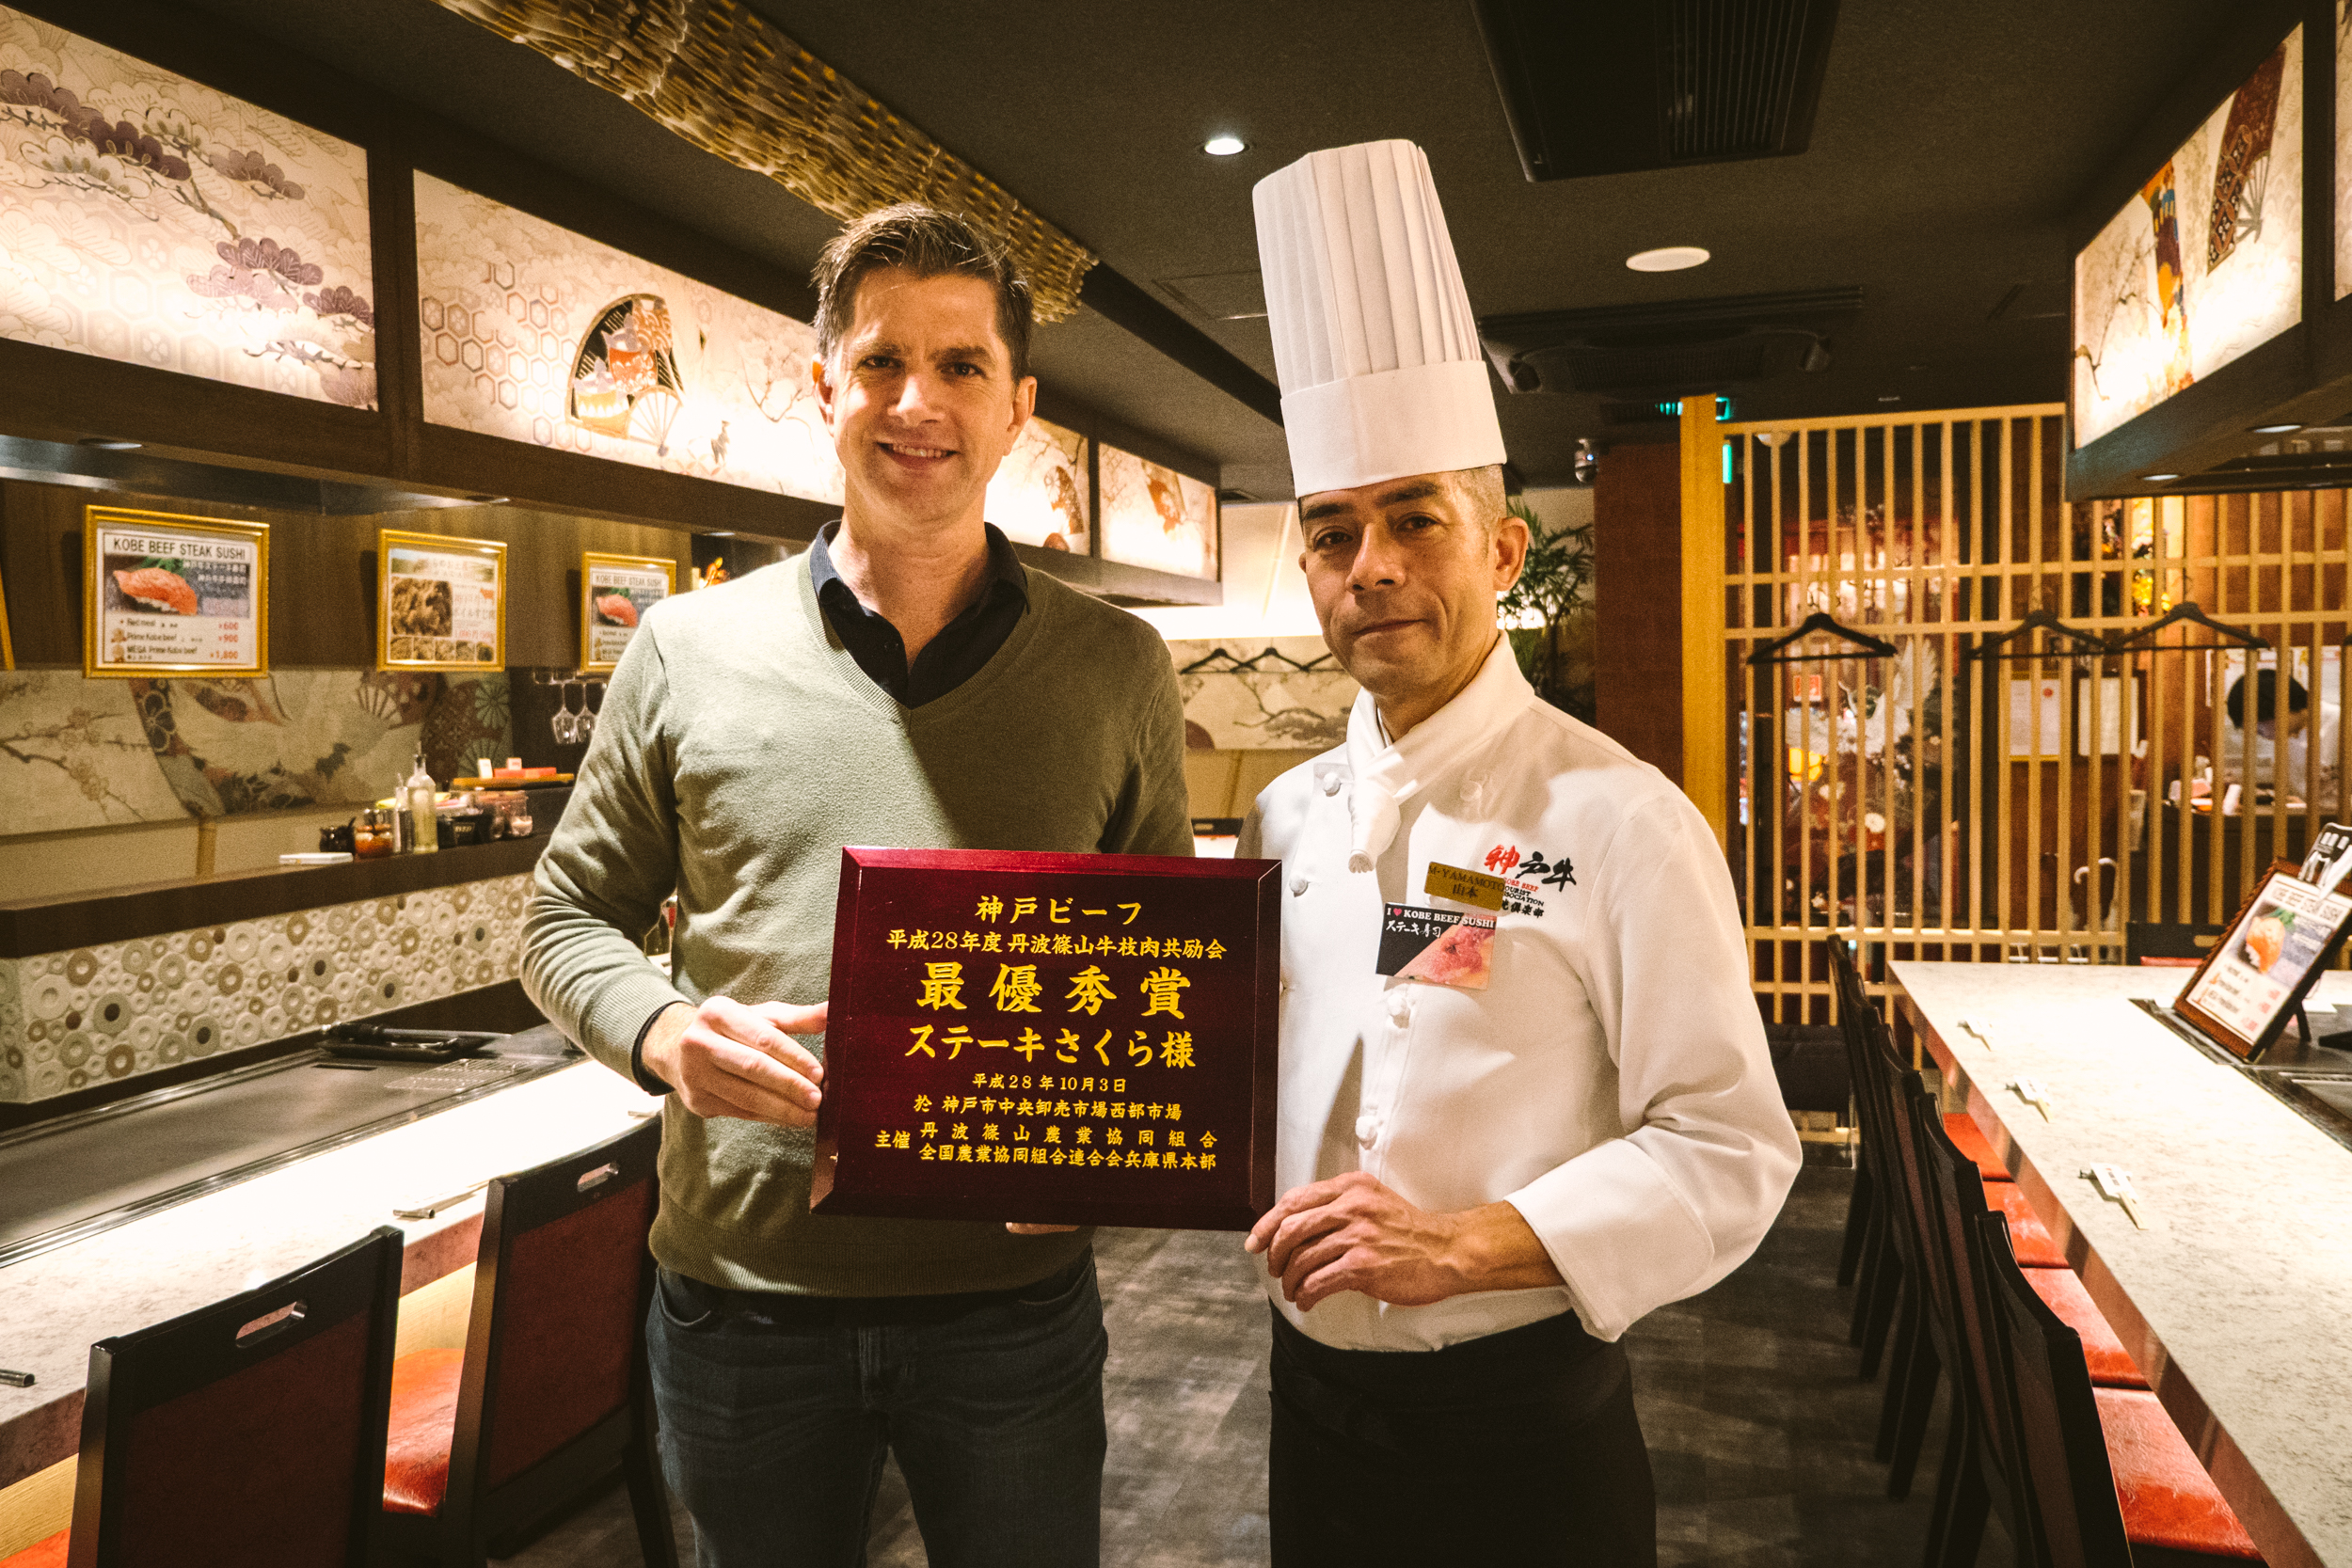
[2052, 1425]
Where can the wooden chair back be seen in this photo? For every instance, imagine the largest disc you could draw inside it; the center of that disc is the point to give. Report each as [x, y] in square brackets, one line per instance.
[2062, 1450]
[250, 1431]
[553, 1350]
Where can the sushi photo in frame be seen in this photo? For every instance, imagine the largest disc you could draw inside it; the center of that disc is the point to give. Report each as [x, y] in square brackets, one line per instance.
[2279, 944]
[615, 590]
[441, 602]
[164, 594]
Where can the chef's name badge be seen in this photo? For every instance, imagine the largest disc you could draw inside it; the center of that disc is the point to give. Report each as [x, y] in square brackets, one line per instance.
[1440, 946]
[1464, 887]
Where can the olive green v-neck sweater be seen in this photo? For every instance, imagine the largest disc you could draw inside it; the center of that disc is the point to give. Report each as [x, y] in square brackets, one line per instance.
[738, 749]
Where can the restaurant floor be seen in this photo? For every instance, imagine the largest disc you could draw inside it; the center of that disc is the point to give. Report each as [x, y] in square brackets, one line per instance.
[1760, 1432]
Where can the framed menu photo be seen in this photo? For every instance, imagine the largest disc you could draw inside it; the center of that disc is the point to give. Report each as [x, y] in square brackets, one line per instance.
[2255, 977]
[441, 602]
[1050, 1040]
[171, 595]
[615, 591]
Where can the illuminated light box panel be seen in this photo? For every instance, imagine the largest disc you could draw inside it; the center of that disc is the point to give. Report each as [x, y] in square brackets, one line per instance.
[2204, 264]
[1156, 518]
[982, 1064]
[537, 334]
[147, 218]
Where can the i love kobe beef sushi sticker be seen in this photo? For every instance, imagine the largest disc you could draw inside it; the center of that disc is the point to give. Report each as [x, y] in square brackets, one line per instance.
[1437, 945]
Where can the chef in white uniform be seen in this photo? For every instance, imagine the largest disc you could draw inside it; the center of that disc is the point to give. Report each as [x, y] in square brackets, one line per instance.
[1497, 1156]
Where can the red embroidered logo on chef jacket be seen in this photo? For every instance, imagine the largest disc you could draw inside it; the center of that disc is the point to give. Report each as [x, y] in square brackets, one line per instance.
[1525, 876]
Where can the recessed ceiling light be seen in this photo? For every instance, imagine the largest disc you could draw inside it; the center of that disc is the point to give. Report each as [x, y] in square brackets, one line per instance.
[2275, 429]
[1672, 258]
[2158, 479]
[1224, 146]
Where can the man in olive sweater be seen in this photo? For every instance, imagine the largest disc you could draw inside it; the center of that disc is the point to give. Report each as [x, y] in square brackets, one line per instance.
[906, 682]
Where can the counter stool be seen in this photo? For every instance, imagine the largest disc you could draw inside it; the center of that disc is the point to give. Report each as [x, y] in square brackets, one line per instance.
[1962, 1130]
[2112, 1481]
[1867, 1258]
[250, 1431]
[1933, 1330]
[552, 1389]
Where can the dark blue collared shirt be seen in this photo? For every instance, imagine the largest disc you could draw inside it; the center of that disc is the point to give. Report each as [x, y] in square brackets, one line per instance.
[949, 659]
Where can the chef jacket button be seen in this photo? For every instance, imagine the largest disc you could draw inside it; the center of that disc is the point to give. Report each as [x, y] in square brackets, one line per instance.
[1367, 1129]
[1331, 782]
[1299, 885]
[1400, 1006]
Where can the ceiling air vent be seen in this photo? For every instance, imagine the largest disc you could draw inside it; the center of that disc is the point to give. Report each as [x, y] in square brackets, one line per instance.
[1609, 86]
[1669, 348]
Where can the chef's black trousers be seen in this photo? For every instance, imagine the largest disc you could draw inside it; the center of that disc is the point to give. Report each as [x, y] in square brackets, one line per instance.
[1521, 1447]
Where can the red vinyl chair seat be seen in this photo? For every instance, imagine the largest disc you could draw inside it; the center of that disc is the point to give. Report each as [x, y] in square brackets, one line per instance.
[1970, 1140]
[424, 1423]
[41, 1554]
[2028, 1238]
[2111, 1366]
[2167, 1498]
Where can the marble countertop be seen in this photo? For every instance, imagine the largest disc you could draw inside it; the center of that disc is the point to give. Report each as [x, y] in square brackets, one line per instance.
[55, 1306]
[2237, 1300]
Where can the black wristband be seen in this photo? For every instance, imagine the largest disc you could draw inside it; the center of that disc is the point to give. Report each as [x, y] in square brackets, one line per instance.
[637, 1070]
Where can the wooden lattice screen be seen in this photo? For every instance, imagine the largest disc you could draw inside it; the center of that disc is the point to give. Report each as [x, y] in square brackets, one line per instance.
[2024, 808]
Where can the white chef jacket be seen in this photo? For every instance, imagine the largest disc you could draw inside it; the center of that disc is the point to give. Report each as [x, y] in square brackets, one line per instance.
[1612, 1083]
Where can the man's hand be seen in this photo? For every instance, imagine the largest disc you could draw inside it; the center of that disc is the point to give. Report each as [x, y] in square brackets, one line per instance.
[1351, 1234]
[725, 1059]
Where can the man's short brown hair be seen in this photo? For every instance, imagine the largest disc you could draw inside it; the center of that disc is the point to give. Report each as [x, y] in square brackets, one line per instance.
[929, 243]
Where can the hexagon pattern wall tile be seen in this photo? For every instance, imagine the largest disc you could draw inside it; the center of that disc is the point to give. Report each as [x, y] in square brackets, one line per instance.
[71, 1019]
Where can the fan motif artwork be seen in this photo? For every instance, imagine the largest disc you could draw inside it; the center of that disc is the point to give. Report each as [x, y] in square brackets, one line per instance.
[625, 379]
[2204, 264]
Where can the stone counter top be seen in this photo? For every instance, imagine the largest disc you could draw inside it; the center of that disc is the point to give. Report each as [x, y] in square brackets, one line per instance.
[2237, 1300]
[54, 1306]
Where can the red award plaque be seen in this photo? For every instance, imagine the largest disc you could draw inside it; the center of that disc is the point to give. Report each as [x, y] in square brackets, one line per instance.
[1050, 1040]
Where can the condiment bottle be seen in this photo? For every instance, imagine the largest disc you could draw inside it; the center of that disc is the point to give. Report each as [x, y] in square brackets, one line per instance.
[418, 792]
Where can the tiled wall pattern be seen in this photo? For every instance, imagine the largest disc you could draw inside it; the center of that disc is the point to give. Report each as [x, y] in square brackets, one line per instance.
[118, 1009]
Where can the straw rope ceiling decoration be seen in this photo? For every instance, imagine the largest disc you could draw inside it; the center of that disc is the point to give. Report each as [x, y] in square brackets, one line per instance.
[726, 80]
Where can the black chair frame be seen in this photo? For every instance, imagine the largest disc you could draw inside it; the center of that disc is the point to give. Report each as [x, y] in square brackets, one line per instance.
[473, 1513]
[131, 1374]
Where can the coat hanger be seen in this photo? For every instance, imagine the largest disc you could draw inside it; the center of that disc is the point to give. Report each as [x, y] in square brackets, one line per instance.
[2186, 613]
[1820, 620]
[1216, 661]
[2086, 643]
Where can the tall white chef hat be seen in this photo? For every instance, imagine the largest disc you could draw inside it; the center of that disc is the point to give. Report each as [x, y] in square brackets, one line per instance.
[1373, 336]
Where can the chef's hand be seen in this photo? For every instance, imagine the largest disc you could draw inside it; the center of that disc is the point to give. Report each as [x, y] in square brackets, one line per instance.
[1351, 1234]
[726, 1059]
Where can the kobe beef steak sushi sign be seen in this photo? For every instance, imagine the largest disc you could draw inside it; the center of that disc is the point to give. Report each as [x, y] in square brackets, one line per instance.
[173, 595]
[1049, 1038]
[617, 591]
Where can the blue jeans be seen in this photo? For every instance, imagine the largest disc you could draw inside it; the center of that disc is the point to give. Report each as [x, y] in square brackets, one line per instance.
[774, 1426]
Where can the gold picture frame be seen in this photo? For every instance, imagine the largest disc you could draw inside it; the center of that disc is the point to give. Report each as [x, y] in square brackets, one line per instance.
[7, 647]
[600, 627]
[427, 629]
[147, 578]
